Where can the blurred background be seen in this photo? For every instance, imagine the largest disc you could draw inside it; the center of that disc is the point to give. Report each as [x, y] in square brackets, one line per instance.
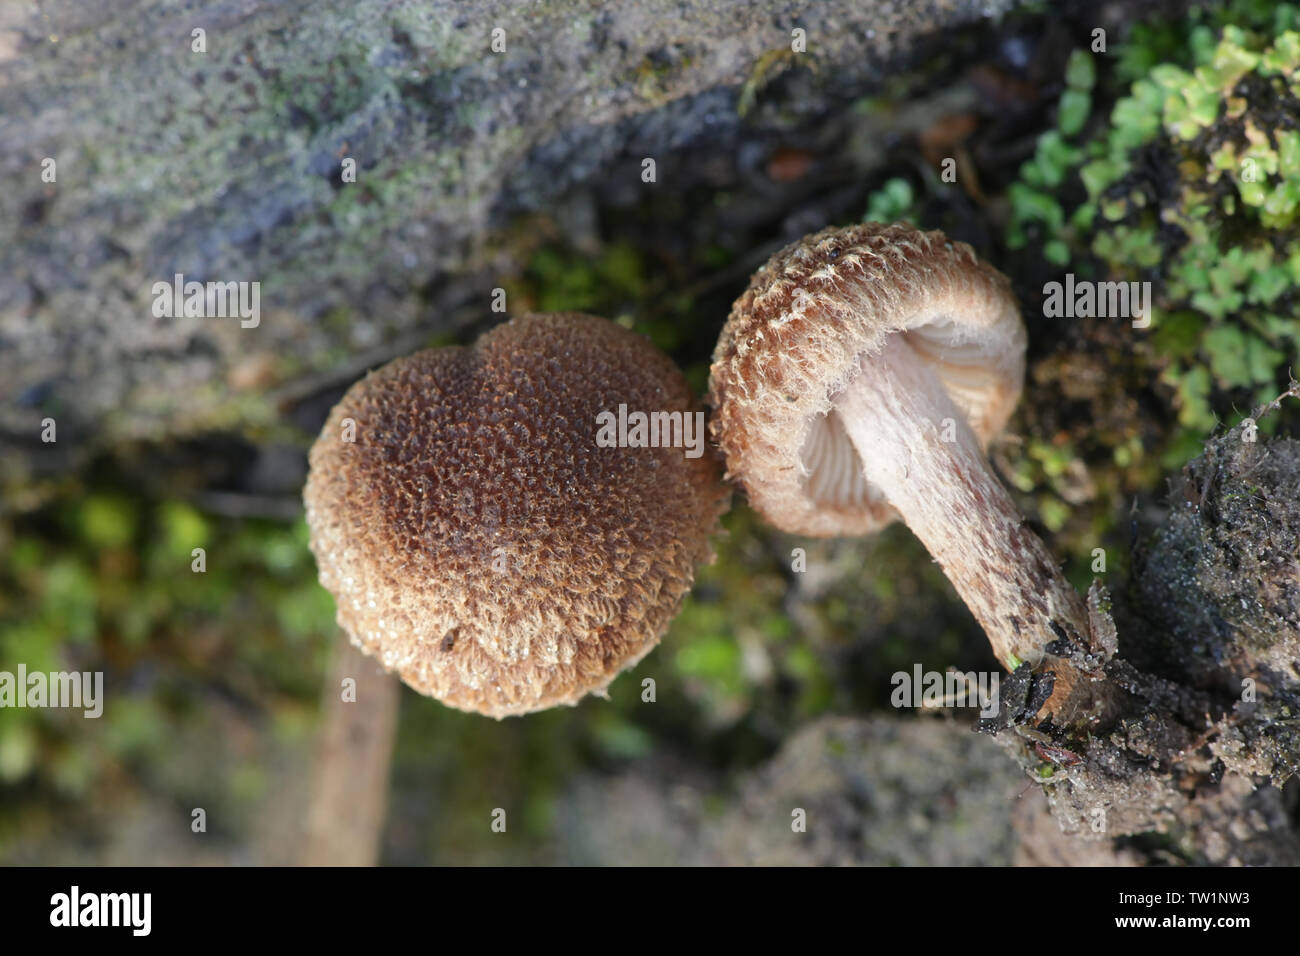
[523, 171]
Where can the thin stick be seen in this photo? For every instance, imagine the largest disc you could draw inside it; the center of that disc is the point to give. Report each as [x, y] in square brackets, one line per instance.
[350, 799]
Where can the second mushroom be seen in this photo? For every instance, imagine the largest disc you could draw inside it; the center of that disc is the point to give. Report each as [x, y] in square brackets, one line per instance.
[476, 537]
[860, 378]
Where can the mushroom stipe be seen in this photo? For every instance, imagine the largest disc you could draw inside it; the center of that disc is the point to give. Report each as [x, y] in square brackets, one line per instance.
[476, 538]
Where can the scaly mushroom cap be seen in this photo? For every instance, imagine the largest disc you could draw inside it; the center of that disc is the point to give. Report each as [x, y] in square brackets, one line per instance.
[479, 542]
[796, 337]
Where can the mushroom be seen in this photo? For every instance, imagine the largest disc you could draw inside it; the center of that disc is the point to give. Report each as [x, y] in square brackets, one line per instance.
[860, 378]
[476, 538]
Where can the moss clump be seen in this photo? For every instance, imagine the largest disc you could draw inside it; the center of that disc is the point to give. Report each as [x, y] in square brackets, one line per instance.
[894, 201]
[193, 651]
[1144, 178]
[1195, 180]
[1036, 209]
[1191, 185]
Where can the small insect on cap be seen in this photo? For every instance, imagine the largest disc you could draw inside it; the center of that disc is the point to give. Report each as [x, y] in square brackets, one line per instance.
[799, 335]
[478, 540]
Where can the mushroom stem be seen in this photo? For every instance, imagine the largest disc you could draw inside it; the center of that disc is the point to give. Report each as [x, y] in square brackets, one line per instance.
[346, 819]
[917, 448]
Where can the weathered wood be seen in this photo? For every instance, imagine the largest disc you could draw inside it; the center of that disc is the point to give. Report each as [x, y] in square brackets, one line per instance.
[227, 166]
[346, 819]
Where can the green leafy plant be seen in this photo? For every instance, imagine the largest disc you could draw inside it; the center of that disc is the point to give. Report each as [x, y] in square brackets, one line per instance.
[894, 201]
[1193, 184]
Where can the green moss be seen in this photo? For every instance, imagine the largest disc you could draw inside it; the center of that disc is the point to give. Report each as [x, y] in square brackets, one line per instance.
[655, 76]
[1188, 184]
[769, 65]
[894, 201]
[558, 280]
[118, 595]
[106, 522]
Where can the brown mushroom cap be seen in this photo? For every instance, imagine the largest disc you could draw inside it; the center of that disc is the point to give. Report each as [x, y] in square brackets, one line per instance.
[470, 460]
[796, 337]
